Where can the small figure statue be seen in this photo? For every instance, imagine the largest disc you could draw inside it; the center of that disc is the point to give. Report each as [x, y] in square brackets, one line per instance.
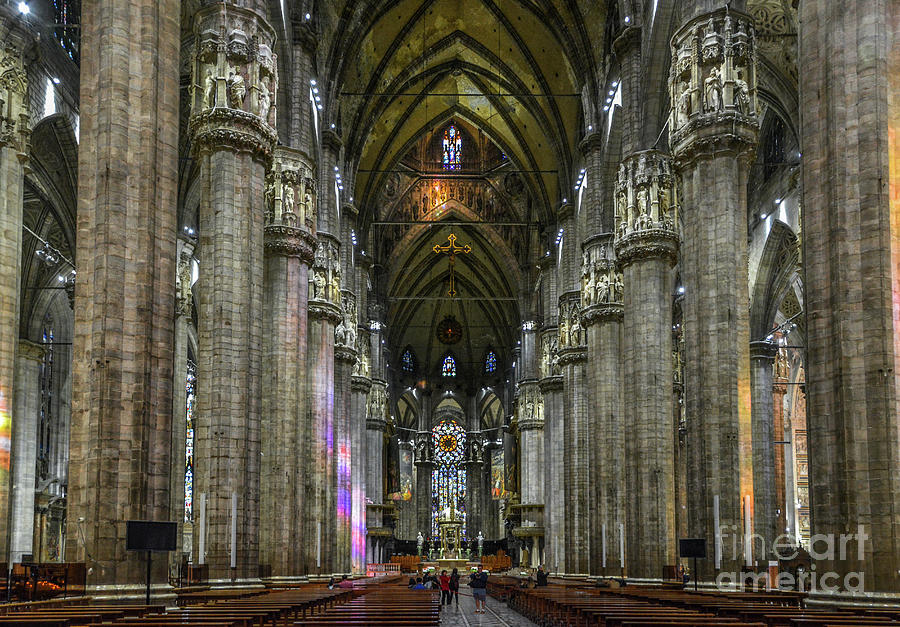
[265, 101]
[319, 285]
[236, 89]
[603, 289]
[619, 288]
[340, 333]
[713, 89]
[480, 543]
[741, 95]
[288, 198]
[209, 90]
[420, 541]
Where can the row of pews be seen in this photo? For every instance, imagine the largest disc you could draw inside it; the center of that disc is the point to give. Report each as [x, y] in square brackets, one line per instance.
[385, 602]
[581, 605]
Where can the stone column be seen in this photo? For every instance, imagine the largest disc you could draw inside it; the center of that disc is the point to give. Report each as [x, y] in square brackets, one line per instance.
[601, 313]
[646, 247]
[713, 134]
[765, 503]
[551, 385]
[851, 244]
[377, 417]
[290, 243]
[779, 391]
[576, 438]
[530, 411]
[14, 147]
[476, 494]
[183, 312]
[424, 461]
[232, 136]
[344, 454]
[361, 384]
[121, 431]
[24, 448]
[325, 314]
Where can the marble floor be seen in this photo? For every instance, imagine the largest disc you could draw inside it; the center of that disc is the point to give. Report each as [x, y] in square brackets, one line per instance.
[497, 614]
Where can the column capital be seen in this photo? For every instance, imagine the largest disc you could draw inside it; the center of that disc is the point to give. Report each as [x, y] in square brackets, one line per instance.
[289, 241]
[570, 332]
[529, 411]
[646, 209]
[325, 311]
[234, 81]
[602, 289]
[377, 406]
[628, 38]
[30, 350]
[291, 190]
[15, 131]
[325, 279]
[332, 140]
[591, 142]
[763, 350]
[345, 354]
[712, 84]
[549, 350]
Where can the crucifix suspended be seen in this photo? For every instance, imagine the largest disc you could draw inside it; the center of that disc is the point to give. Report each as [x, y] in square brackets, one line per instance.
[451, 249]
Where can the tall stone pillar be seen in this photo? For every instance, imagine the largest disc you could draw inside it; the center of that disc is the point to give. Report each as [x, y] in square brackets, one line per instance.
[183, 312]
[232, 136]
[325, 314]
[14, 138]
[120, 447]
[779, 391]
[572, 357]
[376, 424]
[551, 385]
[765, 503]
[601, 313]
[851, 253]
[530, 418]
[476, 493]
[290, 244]
[344, 454]
[361, 384]
[424, 459]
[646, 248]
[713, 134]
[23, 461]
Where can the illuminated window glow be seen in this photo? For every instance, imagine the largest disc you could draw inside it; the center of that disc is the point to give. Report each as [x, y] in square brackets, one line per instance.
[490, 362]
[191, 393]
[452, 149]
[448, 479]
[448, 368]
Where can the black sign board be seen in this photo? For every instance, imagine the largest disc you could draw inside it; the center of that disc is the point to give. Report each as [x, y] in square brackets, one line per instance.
[147, 535]
[692, 547]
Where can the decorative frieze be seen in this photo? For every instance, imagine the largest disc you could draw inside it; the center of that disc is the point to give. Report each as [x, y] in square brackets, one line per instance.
[712, 83]
[234, 82]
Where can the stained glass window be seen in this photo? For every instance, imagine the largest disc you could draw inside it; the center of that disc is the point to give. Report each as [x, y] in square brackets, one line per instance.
[448, 479]
[190, 404]
[448, 368]
[407, 361]
[452, 148]
[490, 362]
[68, 15]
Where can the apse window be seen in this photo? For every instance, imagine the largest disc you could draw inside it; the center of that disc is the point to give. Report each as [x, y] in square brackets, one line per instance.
[407, 362]
[452, 146]
[490, 363]
[448, 368]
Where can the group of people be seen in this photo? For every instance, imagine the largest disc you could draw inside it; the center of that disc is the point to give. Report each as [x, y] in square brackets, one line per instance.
[449, 587]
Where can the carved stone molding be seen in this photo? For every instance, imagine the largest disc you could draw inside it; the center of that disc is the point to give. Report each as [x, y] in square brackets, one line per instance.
[326, 311]
[646, 208]
[712, 85]
[602, 312]
[345, 354]
[290, 241]
[360, 384]
[572, 355]
[345, 333]
[230, 129]
[377, 407]
[27, 349]
[551, 384]
[763, 350]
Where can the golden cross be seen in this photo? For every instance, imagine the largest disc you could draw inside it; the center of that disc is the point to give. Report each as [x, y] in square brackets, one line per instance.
[451, 249]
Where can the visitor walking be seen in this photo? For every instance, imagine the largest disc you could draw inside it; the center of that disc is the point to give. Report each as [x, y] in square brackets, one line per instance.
[454, 586]
[479, 591]
[445, 588]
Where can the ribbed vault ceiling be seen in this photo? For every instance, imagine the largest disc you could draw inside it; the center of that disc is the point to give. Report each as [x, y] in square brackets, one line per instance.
[511, 74]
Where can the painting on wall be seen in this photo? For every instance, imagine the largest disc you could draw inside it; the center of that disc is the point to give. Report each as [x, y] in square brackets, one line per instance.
[498, 475]
[406, 474]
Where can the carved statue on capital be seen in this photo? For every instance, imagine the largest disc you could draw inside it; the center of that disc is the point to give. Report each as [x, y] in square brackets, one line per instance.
[345, 332]
[184, 302]
[713, 73]
[14, 129]
[325, 280]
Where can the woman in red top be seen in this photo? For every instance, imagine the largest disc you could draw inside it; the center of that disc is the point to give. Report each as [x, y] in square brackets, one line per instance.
[444, 580]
